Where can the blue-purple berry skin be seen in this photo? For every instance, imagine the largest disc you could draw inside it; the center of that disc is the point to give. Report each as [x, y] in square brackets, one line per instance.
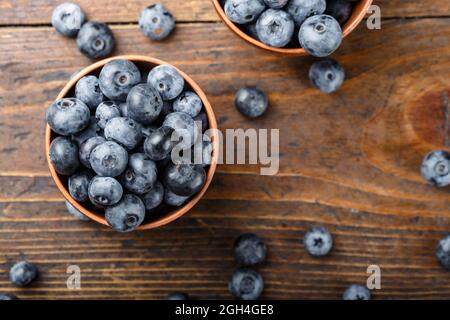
[144, 103]
[202, 117]
[68, 116]
[188, 102]
[246, 284]
[86, 148]
[276, 4]
[275, 28]
[318, 242]
[8, 297]
[184, 179]
[320, 35]
[92, 130]
[172, 199]
[177, 296]
[244, 11]
[167, 81]
[95, 40]
[64, 156]
[300, 10]
[124, 131]
[184, 125]
[68, 18]
[23, 273]
[74, 212]
[105, 191]
[106, 111]
[78, 185]
[117, 78]
[156, 22]
[127, 215]
[443, 252]
[356, 292]
[436, 168]
[140, 174]
[327, 75]
[159, 144]
[88, 90]
[252, 102]
[109, 159]
[341, 10]
[153, 197]
[249, 249]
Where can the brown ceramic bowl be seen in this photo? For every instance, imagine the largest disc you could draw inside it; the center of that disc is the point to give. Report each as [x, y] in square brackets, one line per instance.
[144, 63]
[359, 11]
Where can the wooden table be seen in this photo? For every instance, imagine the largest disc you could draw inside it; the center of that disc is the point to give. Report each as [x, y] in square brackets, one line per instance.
[349, 161]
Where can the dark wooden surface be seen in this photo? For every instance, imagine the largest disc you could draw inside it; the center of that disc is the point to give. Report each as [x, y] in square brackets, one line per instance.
[349, 161]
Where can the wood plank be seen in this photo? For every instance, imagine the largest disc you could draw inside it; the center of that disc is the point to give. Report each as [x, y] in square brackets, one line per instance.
[39, 11]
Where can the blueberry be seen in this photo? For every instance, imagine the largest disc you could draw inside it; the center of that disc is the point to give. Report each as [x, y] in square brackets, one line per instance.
[95, 40]
[156, 22]
[74, 212]
[64, 156]
[123, 107]
[154, 197]
[252, 102]
[105, 191]
[302, 9]
[184, 125]
[127, 215]
[125, 131]
[249, 249]
[159, 144]
[109, 159]
[443, 252]
[177, 296]
[7, 296]
[246, 284]
[327, 75]
[356, 292]
[23, 273]
[203, 118]
[184, 179]
[67, 19]
[106, 111]
[167, 80]
[341, 10]
[188, 102]
[275, 28]
[318, 242]
[144, 103]
[173, 199]
[92, 130]
[140, 175]
[276, 4]
[243, 11]
[118, 77]
[79, 184]
[436, 168]
[86, 149]
[320, 35]
[88, 90]
[68, 116]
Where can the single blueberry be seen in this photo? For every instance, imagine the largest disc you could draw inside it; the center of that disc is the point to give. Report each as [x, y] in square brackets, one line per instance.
[23, 273]
[327, 75]
[341, 10]
[177, 296]
[79, 184]
[249, 249]
[74, 212]
[184, 126]
[127, 215]
[154, 197]
[172, 199]
[68, 116]
[356, 292]
[92, 130]
[188, 102]
[436, 168]
[318, 242]
[64, 156]
[105, 191]
[159, 144]
[67, 19]
[320, 35]
[125, 131]
[252, 102]
[95, 40]
[7, 296]
[244, 11]
[276, 4]
[156, 22]
[246, 284]
[167, 81]
[117, 78]
[106, 111]
[140, 174]
[300, 10]
[184, 179]
[109, 159]
[144, 103]
[275, 28]
[443, 252]
[88, 90]
[86, 149]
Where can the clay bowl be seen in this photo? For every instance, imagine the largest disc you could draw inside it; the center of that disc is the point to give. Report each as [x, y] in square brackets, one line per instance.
[144, 63]
[359, 12]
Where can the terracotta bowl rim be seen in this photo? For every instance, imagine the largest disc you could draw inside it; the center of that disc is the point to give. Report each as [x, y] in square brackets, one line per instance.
[350, 25]
[178, 212]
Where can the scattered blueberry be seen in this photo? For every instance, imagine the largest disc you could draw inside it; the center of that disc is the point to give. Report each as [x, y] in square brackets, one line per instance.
[443, 252]
[159, 144]
[88, 90]
[86, 148]
[341, 10]
[300, 10]
[184, 179]
[127, 215]
[327, 75]
[140, 175]
[188, 102]
[106, 111]
[117, 78]
[173, 199]
[318, 242]
[167, 80]
[252, 102]
[79, 184]
[177, 296]
[246, 284]
[356, 292]
[7, 296]
[144, 103]
[436, 168]
[244, 11]
[64, 156]
[320, 35]
[67, 19]
[23, 273]
[105, 191]
[95, 40]
[156, 22]
[275, 28]
[154, 197]
[109, 159]
[68, 116]
[74, 212]
[249, 249]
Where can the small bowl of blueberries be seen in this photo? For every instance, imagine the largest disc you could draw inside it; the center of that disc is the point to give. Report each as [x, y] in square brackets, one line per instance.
[131, 142]
[294, 27]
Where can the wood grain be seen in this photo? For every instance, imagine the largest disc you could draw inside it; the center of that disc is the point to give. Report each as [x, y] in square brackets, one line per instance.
[349, 161]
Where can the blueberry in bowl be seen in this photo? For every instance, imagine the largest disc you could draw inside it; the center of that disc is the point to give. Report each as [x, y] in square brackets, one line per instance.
[112, 152]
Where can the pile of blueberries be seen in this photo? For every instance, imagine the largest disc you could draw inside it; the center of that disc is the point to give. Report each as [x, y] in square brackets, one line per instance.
[314, 25]
[95, 39]
[114, 141]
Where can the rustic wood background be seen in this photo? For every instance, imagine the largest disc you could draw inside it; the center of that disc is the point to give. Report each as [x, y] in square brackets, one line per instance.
[349, 161]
